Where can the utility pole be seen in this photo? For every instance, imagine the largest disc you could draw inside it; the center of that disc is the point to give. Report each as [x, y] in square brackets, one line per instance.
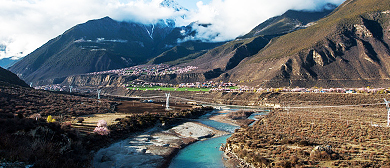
[98, 92]
[167, 102]
[388, 112]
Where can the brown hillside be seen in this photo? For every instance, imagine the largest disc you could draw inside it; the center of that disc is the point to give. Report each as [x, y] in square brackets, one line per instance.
[348, 48]
[8, 78]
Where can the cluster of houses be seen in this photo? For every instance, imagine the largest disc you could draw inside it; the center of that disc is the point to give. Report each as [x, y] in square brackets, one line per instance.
[241, 88]
[208, 84]
[227, 87]
[56, 87]
[147, 84]
[153, 70]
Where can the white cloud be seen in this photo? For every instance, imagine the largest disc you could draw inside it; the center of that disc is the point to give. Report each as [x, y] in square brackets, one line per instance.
[28, 24]
[231, 18]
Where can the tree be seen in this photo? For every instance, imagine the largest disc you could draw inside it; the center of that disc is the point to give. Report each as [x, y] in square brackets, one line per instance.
[101, 128]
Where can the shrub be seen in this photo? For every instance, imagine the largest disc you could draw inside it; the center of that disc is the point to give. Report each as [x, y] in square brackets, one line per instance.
[80, 120]
[50, 119]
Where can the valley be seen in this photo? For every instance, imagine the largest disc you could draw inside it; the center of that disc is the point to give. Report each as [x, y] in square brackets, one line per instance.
[305, 88]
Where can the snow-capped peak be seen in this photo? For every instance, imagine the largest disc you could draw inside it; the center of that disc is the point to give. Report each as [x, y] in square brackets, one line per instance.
[173, 4]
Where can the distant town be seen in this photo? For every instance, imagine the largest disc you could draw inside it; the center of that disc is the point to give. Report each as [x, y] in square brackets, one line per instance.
[209, 86]
[153, 70]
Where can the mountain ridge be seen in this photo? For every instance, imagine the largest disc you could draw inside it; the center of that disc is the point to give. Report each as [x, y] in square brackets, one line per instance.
[289, 21]
[347, 48]
[224, 58]
[8, 78]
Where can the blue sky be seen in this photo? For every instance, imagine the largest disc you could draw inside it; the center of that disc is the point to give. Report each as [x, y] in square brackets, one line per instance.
[28, 24]
[191, 4]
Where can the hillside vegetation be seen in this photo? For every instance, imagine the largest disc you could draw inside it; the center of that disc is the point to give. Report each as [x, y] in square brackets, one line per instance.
[8, 78]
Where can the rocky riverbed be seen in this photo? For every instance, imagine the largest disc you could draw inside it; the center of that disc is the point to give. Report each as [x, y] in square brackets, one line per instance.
[153, 148]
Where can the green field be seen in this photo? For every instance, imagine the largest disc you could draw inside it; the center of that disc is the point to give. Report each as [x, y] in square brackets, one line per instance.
[172, 89]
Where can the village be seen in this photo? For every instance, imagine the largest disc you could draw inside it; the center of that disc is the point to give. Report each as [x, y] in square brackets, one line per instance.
[152, 70]
[213, 86]
[208, 86]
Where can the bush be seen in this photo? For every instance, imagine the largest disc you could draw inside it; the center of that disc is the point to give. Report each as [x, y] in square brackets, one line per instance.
[50, 119]
[80, 120]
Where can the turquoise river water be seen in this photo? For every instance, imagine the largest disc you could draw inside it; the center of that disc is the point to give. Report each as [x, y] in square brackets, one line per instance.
[204, 154]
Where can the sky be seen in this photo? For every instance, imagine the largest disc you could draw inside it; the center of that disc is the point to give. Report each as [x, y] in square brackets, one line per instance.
[28, 24]
[191, 4]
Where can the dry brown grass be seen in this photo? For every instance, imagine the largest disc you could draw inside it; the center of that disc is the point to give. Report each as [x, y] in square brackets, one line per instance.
[358, 137]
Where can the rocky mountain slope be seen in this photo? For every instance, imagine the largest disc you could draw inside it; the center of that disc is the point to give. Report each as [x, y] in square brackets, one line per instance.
[349, 48]
[224, 58]
[290, 21]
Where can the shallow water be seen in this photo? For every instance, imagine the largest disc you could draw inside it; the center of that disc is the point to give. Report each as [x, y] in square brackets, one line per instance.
[253, 116]
[202, 154]
[206, 154]
[218, 125]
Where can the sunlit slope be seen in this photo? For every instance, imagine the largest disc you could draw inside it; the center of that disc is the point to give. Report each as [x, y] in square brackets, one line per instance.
[348, 48]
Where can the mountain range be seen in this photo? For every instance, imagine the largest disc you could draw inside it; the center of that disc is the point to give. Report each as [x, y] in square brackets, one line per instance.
[7, 62]
[344, 47]
[104, 44]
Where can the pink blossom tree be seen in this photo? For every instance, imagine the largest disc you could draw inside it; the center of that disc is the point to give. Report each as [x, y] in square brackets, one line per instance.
[101, 128]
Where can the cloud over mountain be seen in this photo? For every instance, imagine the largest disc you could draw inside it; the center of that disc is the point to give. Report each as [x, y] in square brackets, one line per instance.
[28, 24]
[231, 18]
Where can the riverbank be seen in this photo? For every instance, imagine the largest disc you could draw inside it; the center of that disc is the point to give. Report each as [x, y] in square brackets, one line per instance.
[342, 135]
[153, 148]
[226, 118]
[230, 159]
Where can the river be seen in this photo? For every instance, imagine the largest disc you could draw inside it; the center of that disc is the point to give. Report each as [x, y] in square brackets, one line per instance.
[205, 154]
[148, 148]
